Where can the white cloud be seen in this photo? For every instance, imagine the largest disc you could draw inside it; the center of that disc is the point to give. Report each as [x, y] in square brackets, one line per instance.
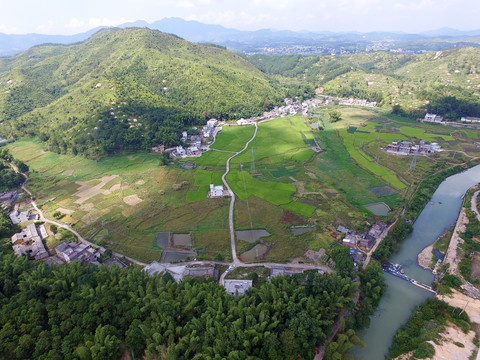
[75, 23]
[274, 4]
[186, 4]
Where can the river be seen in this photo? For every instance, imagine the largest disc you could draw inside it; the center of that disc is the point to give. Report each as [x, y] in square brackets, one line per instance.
[402, 297]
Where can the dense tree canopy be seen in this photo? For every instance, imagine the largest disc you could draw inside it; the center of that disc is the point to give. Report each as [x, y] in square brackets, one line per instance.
[86, 312]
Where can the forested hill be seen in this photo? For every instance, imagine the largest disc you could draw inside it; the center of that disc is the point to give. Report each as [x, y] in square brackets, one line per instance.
[79, 97]
[444, 82]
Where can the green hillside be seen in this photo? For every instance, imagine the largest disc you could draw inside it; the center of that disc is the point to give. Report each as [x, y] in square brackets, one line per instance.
[84, 97]
[444, 82]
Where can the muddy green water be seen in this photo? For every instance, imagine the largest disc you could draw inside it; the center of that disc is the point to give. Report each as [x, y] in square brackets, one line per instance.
[402, 297]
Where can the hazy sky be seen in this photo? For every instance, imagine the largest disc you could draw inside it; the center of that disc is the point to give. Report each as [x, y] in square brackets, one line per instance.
[72, 16]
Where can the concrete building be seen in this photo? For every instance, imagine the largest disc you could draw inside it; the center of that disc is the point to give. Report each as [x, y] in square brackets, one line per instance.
[239, 287]
[18, 217]
[29, 242]
[433, 118]
[72, 251]
[156, 268]
[216, 191]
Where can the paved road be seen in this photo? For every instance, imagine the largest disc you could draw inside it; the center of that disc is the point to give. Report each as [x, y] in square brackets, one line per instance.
[232, 199]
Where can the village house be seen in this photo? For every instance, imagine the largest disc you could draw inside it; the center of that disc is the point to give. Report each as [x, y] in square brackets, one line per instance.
[433, 118]
[8, 198]
[367, 241]
[29, 242]
[350, 240]
[239, 287]
[471, 120]
[72, 251]
[18, 217]
[284, 271]
[156, 268]
[215, 191]
[406, 148]
[159, 148]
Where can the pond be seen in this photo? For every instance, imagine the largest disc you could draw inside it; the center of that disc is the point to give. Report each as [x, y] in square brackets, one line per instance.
[256, 252]
[378, 208]
[251, 235]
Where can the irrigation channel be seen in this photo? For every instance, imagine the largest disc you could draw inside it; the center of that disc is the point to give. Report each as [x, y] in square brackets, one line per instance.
[401, 296]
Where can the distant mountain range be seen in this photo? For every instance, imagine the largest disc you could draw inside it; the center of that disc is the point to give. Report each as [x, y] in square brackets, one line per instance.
[251, 40]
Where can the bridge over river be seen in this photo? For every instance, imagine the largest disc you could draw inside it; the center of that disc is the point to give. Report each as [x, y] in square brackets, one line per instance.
[397, 270]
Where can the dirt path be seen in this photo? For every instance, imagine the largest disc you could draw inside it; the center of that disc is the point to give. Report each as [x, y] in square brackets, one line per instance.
[451, 257]
[474, 204]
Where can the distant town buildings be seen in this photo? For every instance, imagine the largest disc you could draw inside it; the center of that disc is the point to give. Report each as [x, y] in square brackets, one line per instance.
[357, 102]
[29, 242]
[407, 148]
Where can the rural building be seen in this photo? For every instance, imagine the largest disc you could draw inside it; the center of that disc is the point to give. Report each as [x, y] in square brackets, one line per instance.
[159, 148]
[471, 120]
[18, 217]
[201, 271]
[350, 241]
[377, 229]
[215, 191]
[242, 122]
[29, 242]
[239, 287]
[72, 251]
[8, 198]
[406, 148]
[343, 229]
[433, 118]
[212, 122]
[367, 241]
[357, 256]
[155, 268]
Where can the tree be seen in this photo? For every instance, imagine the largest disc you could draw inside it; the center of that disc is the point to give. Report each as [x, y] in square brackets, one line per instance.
[54, 228]
[335, 115]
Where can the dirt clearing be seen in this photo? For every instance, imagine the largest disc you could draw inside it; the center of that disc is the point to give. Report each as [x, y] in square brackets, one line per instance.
[132, 200]
[86, 191]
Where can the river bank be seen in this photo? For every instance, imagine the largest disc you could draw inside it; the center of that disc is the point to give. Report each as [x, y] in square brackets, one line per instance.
[438, 215]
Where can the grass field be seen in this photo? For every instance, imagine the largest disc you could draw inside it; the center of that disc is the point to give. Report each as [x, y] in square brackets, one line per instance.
[421, 134]
[233, 138]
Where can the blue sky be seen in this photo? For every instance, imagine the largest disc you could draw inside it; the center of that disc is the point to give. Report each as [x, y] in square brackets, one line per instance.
[72, 16]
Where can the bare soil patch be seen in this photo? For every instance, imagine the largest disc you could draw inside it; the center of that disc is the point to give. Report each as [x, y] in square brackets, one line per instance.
[311, 175]
[87, 207]
[140, 182]
[451, 257]
[86, 191]
[65, 211]
[459, 300]
[425, 257]
[115, 187]
[448, 350]
[132, 200]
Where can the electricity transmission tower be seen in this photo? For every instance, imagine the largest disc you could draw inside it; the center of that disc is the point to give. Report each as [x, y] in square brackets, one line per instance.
[414, 161]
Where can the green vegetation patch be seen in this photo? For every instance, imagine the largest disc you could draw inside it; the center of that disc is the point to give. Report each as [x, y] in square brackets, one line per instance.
[299, 207]
[233, 138]
[470, 134]
[244, 186]
[421, 134]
